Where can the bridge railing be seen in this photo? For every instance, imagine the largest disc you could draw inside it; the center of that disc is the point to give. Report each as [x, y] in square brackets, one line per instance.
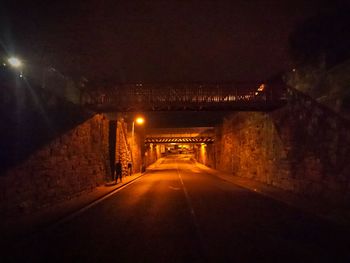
[153, 97]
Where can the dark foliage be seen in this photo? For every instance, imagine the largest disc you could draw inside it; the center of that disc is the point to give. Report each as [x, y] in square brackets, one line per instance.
[324, 38]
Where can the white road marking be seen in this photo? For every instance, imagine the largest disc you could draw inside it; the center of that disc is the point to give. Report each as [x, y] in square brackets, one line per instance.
[194, 217]
[202, 244]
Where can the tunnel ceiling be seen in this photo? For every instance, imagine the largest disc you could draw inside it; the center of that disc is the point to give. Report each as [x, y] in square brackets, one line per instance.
[184, 119]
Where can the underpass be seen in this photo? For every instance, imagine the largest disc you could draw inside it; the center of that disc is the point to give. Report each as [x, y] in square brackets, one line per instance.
[77, 78]
[176, 212]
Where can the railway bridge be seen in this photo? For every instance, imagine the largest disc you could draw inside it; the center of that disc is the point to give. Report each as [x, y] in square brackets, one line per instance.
[186, 97]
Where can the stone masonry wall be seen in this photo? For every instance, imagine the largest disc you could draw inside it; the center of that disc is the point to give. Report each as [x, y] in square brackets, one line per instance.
[72, 163]
[303, 148]
[152, 154]
[128, 147]
[123, 152]
[132, 149]
[205, 154]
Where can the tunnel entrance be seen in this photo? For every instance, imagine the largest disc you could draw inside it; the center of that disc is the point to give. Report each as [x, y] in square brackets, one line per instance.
[192, 141]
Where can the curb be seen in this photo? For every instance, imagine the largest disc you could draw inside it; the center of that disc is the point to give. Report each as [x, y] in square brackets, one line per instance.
[94, 202]
[48, 225]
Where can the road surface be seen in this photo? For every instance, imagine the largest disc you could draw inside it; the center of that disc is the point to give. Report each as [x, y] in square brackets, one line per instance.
[179, 213]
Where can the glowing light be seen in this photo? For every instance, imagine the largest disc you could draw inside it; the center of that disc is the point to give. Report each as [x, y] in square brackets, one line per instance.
[203, 153]
[14, 62]
[140, 120]
[261, 87]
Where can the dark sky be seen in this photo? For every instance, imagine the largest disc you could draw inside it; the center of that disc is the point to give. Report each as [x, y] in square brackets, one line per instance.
[154, 41]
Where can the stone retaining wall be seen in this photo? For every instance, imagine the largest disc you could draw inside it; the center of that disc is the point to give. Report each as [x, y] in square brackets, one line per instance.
[72, 163]
[128, 148]
[152, 154]
[303, 148]
[52, 150]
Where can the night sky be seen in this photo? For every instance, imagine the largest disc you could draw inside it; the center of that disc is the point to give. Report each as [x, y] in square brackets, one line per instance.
[156, 41]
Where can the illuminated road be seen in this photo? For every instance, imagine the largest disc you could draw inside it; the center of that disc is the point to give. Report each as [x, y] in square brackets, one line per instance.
[178, 213]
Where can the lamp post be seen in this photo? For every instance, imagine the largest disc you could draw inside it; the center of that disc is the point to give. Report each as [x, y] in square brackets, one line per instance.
[139, 121]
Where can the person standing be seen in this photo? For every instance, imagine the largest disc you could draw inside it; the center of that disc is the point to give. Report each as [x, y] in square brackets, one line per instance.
[129, 168]
[118, 171]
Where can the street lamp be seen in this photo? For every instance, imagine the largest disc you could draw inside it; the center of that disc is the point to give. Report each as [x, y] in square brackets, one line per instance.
[140, 121]
[14, 62]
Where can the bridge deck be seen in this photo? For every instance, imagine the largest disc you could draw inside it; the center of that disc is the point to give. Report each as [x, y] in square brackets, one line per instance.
[142, 97]
[200, 139]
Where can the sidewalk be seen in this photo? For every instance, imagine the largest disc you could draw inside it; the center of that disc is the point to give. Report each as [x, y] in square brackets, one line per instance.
[27, 224]
[337, 215]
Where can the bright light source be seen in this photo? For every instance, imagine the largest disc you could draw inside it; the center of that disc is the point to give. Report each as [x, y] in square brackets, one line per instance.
[14, 62]
[140, 120]
[262, 87]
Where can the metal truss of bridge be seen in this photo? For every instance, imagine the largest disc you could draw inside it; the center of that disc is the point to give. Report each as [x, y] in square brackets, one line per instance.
[158, 140]
[178, 97]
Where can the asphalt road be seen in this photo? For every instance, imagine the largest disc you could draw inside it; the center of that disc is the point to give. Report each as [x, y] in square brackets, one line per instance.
[178, 213]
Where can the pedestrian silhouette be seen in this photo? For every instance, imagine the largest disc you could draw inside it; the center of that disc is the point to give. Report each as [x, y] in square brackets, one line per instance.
[118, 171]
[130, 168]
